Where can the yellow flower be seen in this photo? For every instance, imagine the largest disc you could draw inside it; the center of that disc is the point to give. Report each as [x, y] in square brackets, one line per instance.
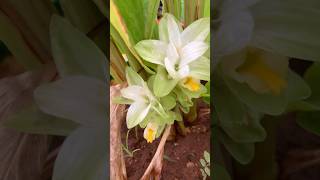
[263, 71]
[150, 132]
[192, 84]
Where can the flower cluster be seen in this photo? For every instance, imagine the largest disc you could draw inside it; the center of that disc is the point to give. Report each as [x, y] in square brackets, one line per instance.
[180, 59]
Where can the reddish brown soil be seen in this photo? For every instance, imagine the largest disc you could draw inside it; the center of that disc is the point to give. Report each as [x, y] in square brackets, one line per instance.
[183, 153]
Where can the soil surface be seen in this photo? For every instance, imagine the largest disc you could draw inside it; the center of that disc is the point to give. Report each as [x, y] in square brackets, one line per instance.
[182, 154]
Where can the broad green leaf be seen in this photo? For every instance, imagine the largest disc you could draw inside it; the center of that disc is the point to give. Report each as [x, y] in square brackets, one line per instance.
[206, 11]
[31, 120]
[79, 98]
[173, 7]
[12, 38]
[124, 28]
[288, 27]
[131, 17]
[83, 156]
[117, 64]
[83, 14]
[220, 173]
[124, 49]
[162, 85]
[74, 53]
[310, 121]
[34, 19]
[242, 152]
[151, 11]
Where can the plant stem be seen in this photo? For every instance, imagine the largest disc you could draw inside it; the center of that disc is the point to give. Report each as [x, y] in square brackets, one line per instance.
[193, 114]
[182, 128]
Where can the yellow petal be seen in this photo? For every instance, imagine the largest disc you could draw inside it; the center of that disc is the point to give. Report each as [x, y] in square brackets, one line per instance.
[150, 132]
[192, 84]
[256, 67]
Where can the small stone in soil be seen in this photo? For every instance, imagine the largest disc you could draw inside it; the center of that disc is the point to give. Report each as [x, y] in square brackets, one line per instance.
[190, 165]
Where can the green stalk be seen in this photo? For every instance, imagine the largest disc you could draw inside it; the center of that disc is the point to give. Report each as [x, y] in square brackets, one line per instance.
[193, 114]
[182, 128]
[117, 64]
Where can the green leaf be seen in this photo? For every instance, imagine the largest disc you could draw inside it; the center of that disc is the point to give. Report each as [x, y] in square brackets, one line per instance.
[83, 14]
[162, 85]
[220, 173]
[120, 33]
[310, 121]
[288, 27]
[200, 68]
[206, 11]
[242, 152]
[168, 102]
[14, 41]
[31, 120]
[133, 20]
[266, 103]
[151, 11]
[249, 131]
[74, 53]
[80, 99]
[312, 77]
[83, 156]
[153, 51]
[298, 88]
[133, 78]
[223, 97]
[240, 126]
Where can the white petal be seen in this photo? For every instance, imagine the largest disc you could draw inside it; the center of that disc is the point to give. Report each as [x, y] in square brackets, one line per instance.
[136, 113]
[184, 71]
[197, 31]
[172, 53]
[135, 93]
[152, 51]
[174, 32]
[170, 68]
[192, 51]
